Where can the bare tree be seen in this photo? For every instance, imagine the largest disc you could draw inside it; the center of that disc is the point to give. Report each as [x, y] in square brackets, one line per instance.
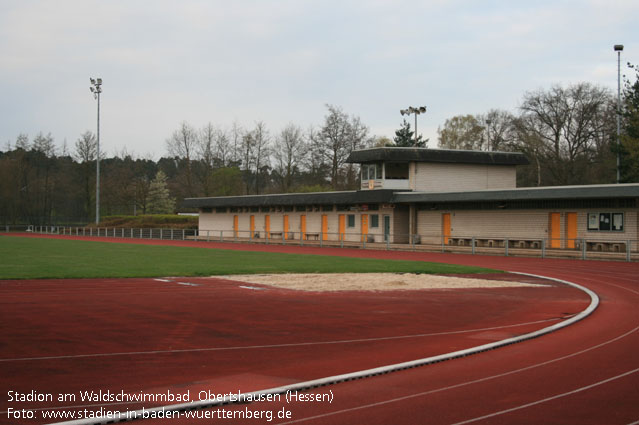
[236, 143]
[261, 151]
[570, 123]
[85, 153]
[86, 147]
[182, 144]
[498, 130]
[289, 151]
[337, 138]
[207, 157]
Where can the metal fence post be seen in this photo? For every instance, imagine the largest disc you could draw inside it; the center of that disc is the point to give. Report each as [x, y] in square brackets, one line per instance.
[628, 250]
[506, 247]
[543, 248]
[472, 242]
[583, 249]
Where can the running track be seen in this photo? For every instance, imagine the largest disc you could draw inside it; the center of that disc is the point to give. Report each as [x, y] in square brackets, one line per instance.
[586, 374]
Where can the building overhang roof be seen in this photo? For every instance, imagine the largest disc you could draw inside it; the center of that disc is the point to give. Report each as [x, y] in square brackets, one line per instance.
[386, 196]
[608, 191]
[291, 199]
[437, 156]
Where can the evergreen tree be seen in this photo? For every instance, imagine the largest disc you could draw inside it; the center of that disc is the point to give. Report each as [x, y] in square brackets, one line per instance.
[159, 201]
[404, 137]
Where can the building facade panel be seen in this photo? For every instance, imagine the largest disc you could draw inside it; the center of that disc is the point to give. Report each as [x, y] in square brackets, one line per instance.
[431, 177]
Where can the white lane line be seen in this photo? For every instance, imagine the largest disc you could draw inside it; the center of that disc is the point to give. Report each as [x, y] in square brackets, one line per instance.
[188, 284]
[534, 403]
[464, 384]
[254, 288]
[294, 344]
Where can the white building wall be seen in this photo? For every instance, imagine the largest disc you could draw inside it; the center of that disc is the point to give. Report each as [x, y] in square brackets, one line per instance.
[429, 177]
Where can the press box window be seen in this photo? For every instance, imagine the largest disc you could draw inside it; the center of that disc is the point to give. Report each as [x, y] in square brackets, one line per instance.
[374, 220]
[351, 220]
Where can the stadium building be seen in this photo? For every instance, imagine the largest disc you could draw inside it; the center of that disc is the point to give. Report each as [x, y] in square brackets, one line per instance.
[422, 196]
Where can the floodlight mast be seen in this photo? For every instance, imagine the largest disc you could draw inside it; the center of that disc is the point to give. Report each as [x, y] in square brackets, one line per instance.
[414, 110]
[618, 49]
[96, 89]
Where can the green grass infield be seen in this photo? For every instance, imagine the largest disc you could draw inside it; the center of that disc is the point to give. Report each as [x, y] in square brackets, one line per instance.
[34, 258]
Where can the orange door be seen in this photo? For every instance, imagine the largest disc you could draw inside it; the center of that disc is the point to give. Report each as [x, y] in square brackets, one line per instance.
[446, 227]
[303, 226]
[571, 229]
[324, 227]
[285, 229]
[364, 226]
[555, 230]
[252, 226]
[342, 226]
[236, 225]
[267, 226]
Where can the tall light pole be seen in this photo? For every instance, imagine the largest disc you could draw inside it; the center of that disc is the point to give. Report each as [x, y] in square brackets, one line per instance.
[414, 110]
[618, 49]
[96, 89]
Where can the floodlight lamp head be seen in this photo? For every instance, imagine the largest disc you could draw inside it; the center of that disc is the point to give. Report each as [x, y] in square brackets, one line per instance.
[422, 109]
[92, 89]
[92, 80]
[402, 111]
[618, 47]
[99, 81]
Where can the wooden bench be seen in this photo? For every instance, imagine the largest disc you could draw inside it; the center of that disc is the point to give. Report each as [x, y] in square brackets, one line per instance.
[314, 236]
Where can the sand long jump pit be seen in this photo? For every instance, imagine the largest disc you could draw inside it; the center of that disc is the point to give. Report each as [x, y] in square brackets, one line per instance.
[330, 282]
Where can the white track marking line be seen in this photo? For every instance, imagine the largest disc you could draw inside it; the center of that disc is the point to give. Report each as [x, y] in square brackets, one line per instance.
[188, 283]
[534, 403]
[463, 384]
[250, 347]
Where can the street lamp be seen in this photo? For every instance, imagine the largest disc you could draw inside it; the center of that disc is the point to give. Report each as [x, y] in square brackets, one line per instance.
[618, 49]
[414, 110]
[96, 89]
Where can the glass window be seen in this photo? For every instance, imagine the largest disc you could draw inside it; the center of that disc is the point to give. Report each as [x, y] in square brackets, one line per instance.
[617, 222]
[606, 222]
[351, 220]
[374, 220]
[364, 172]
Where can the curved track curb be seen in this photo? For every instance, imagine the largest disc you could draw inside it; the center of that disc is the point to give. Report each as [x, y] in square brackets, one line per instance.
[245, 398]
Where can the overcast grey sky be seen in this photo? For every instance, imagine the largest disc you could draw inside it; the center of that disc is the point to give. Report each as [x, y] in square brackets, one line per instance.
[164, 62]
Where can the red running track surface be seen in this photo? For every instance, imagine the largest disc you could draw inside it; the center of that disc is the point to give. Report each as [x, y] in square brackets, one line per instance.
[587, 373]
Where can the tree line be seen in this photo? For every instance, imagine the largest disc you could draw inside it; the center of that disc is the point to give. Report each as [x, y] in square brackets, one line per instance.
[568, 133]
